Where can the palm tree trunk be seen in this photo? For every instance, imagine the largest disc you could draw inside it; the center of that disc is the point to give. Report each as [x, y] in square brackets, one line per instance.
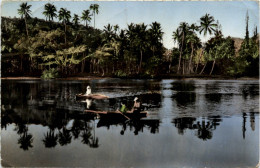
[94, 21]
[180, 54]
[82, 66]
[203, 68]
[213, 65]
[191, 55]
[183, 66]
[26, 27]
[65, 34]
[198, 62]
[140, 64]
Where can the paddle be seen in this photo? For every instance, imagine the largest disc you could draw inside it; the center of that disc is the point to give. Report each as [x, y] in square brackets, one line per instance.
[123, 115]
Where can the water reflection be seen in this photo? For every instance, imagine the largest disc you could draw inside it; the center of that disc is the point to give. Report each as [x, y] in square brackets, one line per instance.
[251, 120]
[50, 139]
[26, 139]
[204, 128]
[134, 126]
[249, 90]
[198, 111]
[185, 93]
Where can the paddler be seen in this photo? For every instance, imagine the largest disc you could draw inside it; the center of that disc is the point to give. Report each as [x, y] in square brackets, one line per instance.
[88, 92]
[137, 106]
[123, 108]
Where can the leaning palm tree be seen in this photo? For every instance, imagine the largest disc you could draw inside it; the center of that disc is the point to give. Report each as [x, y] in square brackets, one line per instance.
[75, 19]
[25, 13]
[94, 8]
[64, 16]
[49, 11]
[207, 25]
[86, 16]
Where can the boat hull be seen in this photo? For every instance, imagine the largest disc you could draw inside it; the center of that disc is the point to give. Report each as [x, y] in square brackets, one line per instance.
[91, 96]
[118, 115]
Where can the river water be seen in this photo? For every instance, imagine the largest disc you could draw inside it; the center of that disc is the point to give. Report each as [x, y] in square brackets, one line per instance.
[190, 123]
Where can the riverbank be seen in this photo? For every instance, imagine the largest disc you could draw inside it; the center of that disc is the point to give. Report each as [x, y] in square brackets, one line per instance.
[185, 77]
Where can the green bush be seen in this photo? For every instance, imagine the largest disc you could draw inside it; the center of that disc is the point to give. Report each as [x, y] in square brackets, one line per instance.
[120, 73]
[50, 74]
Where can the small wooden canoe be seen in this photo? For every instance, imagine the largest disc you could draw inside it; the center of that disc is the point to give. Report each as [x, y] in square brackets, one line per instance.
[117, 114]
[91, 96]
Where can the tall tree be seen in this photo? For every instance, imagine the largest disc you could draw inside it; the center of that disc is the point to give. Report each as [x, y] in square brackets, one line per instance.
[25, 13]
[49, 11]
[207, 24]
[247, 32]
[183, 29]
[64, 16]
[116, 28]
[156, 35]
[94, 8]
[86, 16]
[75, 19]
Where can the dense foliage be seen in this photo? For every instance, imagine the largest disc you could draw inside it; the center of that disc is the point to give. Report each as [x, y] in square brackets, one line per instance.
[38, 47]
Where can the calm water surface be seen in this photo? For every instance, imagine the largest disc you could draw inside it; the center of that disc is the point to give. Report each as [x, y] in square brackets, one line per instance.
[191, 123]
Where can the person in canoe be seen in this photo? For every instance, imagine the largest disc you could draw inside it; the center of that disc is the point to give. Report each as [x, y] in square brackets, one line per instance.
[88, 92]
[123, 108]
[137, 106]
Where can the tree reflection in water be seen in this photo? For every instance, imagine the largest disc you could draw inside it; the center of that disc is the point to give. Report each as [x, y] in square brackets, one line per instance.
[185, 93]
[25, 139]
[50, 139]
[94, 142]
[86, 134]
[64, 136]
[76, 128]
[135, 126]
[204, 128]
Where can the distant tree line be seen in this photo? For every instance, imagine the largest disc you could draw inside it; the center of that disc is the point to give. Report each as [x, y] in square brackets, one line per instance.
[33, 46]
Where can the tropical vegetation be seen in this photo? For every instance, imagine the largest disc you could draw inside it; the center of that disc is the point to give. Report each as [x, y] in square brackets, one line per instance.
[50, 49]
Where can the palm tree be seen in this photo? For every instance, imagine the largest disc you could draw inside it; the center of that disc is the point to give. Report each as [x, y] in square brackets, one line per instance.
[207, 24]
[64, 16]
[25, 13]
[108, 33]
[94, 8]
[86, 16]
[156, 36]
[183, 29]
[141, 41]
[194, 42]
[176, 36]
[50, 11]
[116, 28]
[75, 19]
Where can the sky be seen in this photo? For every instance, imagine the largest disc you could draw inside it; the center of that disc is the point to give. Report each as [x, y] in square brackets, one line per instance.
[230, 14]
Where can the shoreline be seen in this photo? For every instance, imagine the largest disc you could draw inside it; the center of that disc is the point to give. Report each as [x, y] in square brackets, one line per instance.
[97, 77]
